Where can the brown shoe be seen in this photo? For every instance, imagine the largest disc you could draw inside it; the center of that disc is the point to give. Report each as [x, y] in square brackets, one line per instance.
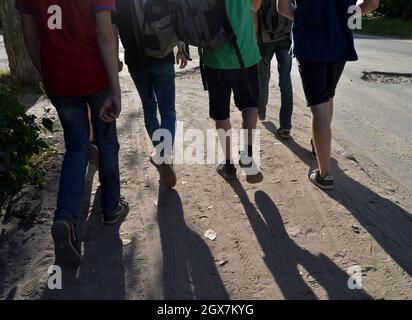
[166, 172]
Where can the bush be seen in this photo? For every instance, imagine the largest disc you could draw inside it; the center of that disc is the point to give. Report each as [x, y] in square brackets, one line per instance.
[383, 26]
[20, 141]
[396, 9]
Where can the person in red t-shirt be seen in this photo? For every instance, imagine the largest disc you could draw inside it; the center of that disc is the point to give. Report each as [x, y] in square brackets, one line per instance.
[73, 46]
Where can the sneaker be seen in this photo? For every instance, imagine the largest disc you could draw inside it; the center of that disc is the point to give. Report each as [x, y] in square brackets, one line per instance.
[66, 245]
[325, 183]
[245, 161]
[248, 165]
[313, 149]
[284, 133]
[227, 171]
[122, 210]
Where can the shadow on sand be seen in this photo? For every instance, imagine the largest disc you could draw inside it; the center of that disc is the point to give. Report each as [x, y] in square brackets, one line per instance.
[283, 256]
[388, 223]
[101, 275]
[189, 270]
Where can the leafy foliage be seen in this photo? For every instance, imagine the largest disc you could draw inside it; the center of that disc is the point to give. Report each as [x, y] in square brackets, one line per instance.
[20, 143]
[401, 9]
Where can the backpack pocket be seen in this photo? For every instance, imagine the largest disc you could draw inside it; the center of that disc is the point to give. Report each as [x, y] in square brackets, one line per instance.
[159, 36]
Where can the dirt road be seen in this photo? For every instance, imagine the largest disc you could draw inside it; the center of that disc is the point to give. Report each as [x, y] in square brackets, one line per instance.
[281, 239]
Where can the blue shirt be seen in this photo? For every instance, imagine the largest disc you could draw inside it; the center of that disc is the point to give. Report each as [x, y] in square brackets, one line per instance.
[321, 31]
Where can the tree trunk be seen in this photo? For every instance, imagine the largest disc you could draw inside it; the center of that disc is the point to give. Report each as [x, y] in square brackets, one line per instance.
[22, 70]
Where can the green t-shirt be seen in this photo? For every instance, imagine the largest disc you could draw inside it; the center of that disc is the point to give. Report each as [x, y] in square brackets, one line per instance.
[240, 16]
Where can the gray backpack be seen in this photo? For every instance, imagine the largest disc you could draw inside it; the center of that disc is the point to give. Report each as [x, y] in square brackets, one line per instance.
[201, 23]
[153, 27]
[204, 24]
[160, 24]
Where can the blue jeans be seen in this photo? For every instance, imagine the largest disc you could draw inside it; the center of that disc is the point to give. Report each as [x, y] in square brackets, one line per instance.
[157, 89]
[73, 115]
[284, 59]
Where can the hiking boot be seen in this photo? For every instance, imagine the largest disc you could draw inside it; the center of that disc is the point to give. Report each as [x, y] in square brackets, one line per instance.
[166, 171]
[66, 245]
[325, 183]
[122, 210]
[249, 166]
[227, 171]
[284, 133]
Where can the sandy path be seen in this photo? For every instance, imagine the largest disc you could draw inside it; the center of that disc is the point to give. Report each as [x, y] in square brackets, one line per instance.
[283, 238]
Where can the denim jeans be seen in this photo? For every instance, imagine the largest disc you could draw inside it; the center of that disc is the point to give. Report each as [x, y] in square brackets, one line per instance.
[73, 115]
[157, 89]
[284, 59]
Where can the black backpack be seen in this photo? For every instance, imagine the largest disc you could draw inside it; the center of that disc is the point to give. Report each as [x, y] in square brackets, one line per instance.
[153, 27]
[204, 24]
[160, 24]
[270, 21]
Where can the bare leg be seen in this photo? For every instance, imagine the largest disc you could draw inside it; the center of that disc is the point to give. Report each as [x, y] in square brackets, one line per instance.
[91, 138]
[322, 134]
[225, 140]
[331, 107]
[94, 151]
[250, 116]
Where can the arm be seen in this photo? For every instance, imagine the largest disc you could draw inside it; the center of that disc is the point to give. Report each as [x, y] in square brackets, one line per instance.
[116, 35]
[368, 5]
[31, 39]
[181, 59]
[108, 50]
[286, 9]
[256, 4]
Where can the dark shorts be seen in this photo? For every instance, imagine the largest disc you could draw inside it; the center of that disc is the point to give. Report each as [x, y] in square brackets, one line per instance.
[320, 79]
[221, 83]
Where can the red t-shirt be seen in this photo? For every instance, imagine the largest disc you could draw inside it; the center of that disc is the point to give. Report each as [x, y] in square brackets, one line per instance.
[71, 61]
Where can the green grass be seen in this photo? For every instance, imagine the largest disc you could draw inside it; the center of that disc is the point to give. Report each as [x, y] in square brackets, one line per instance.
[382, 26]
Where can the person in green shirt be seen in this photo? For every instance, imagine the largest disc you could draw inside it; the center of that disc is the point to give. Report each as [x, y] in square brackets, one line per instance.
[224, 75]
